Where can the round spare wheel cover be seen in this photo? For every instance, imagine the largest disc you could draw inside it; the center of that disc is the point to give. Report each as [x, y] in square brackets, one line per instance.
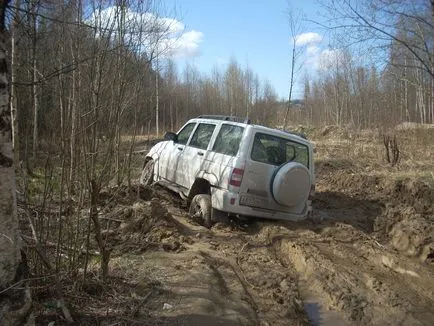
[290, 184]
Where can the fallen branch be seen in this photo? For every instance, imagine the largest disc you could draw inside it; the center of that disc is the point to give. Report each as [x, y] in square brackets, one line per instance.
[145, 298]
[378, 244]
[65, 310]
[111, 219]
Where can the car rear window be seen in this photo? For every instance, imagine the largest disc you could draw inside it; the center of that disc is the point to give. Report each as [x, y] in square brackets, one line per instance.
[228, 140]
[277, 150]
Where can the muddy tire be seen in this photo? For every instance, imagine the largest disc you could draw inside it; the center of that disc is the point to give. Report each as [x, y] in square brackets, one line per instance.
[147, 176]
[200, 209]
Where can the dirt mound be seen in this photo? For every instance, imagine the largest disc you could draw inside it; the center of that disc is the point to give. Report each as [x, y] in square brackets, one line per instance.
[408, 231]
[323, 168]
[411, 192]
[414, 125]
[406, 220]
[415, 193]
[144, 225]
[118, 195]
[334, 131]
[366, 293]
[354, 183]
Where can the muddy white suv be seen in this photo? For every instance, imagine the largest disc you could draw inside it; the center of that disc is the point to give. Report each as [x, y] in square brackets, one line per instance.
[227, 166]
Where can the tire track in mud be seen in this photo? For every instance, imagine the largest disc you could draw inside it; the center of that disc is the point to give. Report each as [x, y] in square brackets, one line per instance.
[273, 286]
[240, 258]
[296, 273]
[365, 293]
[363, 281]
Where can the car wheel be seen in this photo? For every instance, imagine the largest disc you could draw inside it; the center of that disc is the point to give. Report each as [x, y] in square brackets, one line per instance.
[290, 184]
[200, 209]
[147, 176]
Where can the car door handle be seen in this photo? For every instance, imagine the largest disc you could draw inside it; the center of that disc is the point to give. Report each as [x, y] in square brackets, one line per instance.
[200, 153]
[180, 148]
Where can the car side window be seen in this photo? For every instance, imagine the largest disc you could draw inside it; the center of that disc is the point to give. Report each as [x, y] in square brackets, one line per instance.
[228, 140]
[202, 135]
[276, 150]
[184, 134]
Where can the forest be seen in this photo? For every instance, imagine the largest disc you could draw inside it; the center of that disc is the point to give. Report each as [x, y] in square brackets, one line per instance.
[81, 69]
[91, 83]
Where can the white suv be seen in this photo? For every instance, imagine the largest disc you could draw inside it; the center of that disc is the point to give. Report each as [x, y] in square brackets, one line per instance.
[226, 166]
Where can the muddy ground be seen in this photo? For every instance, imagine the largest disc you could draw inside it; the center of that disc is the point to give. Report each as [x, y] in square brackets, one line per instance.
[366, 257]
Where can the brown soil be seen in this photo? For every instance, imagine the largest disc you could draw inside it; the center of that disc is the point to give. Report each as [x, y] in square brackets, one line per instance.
[365, 258]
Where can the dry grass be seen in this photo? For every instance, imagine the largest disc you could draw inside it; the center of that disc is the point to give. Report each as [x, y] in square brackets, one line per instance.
[364, 152]
[140, 138]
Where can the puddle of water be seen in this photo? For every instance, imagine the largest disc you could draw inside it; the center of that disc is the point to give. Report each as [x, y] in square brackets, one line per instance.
[313, 311]
[317, 313]
[321, 317]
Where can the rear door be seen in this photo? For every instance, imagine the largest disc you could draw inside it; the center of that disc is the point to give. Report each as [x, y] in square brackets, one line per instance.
[220, 160]
[194, 154]
[267, 153]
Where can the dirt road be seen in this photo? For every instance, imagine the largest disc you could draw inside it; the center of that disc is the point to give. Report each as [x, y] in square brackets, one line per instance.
[365, 258]
[339, 268]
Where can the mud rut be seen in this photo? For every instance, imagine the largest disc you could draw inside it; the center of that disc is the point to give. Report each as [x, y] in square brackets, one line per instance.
[324, 271]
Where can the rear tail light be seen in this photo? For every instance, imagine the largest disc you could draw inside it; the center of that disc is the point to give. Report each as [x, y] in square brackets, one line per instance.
[236, 177]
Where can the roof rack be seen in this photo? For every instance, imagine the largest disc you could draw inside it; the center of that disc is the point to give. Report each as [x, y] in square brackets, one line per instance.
[226, 118]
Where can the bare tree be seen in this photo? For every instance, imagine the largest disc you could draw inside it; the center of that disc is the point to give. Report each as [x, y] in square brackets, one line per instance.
[88, 67]
[294, 20]
[9, 237]
[400, 26]
[14, 102]
[33, 16]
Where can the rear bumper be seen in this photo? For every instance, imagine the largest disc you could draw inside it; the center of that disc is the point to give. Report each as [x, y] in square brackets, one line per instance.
[227, 201]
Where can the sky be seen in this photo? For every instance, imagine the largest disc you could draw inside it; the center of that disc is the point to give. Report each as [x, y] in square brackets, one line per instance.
[254, 32]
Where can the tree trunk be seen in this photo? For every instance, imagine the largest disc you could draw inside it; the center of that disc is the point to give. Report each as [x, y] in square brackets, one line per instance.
[9, 252]
[432, 73]
[14, 102]
[34, 86]
[105, 253]
[291, 86]
[9, 236]
[157, 102]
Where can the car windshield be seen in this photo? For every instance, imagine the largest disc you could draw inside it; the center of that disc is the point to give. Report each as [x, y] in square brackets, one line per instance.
[277, 150]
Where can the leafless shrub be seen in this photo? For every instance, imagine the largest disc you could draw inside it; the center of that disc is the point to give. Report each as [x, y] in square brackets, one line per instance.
[392, 149]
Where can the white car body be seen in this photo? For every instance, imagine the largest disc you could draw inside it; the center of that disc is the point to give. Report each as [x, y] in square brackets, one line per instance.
[240, 182]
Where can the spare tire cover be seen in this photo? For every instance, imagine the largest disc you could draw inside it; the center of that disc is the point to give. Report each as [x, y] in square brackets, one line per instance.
[290, 184]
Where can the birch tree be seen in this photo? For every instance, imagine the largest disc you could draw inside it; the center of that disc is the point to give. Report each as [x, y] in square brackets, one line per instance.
[295, 25]
[9, 236]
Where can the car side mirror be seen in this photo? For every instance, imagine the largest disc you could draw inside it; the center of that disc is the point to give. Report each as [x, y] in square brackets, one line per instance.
[171, 136]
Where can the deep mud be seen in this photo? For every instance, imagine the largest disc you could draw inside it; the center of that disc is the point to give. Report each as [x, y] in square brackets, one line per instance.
[400, 212]
[365, 258]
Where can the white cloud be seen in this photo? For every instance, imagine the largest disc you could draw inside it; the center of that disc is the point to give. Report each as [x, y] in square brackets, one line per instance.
[174, 26]
[184, 46]
[329, 58]
[312, 50]
[307, 39]
[144, 29]
[321, 59]
[313, 53]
